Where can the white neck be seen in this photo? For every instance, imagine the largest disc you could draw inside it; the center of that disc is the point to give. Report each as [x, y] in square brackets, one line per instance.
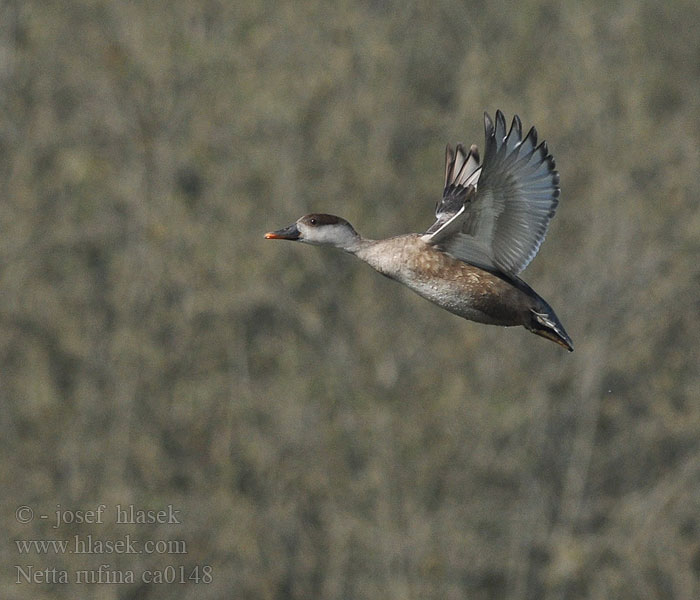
[338, 236]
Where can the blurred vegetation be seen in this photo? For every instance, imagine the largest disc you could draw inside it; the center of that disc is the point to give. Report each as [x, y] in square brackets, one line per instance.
[325, 432]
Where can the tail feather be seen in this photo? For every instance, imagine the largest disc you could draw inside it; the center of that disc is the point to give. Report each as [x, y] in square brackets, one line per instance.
[548, 326]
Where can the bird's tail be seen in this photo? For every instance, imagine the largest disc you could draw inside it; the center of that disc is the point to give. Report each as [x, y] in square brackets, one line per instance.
[547, 325]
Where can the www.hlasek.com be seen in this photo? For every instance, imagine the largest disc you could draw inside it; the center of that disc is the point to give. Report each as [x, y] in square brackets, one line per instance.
[87, 544]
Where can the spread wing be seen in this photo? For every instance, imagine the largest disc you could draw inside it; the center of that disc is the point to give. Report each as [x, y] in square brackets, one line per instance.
[503, 220]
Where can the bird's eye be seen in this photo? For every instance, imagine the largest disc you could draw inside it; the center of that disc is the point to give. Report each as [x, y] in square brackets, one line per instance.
[312, 221]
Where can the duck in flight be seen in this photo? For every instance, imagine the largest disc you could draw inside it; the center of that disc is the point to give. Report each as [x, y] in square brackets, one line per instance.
[490, 223]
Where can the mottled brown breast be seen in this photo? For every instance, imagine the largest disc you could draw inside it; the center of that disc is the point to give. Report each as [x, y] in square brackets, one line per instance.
[457, 286]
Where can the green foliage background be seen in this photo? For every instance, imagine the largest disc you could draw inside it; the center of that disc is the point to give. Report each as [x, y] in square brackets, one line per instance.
[325, 432]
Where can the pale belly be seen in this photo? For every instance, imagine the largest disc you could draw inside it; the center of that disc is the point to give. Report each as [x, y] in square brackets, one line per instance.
[458, 287]
[482, 307]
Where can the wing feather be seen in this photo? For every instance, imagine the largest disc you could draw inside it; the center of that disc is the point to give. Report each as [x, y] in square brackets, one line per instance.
[503, 220]
[461, 172]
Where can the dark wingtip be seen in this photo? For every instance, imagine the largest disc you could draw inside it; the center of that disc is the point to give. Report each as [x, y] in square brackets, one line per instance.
[517, 127]
[474, 151]
[532, 136]
[488, 125]
[500, 123]
[449, 163]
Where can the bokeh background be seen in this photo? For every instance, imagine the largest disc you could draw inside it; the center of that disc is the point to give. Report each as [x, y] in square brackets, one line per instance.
[324, 432]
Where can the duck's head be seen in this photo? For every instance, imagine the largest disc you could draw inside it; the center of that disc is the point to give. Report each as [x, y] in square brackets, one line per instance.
[319, 229]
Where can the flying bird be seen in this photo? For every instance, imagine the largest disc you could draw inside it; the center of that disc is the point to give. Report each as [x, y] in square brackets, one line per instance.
[490, 223]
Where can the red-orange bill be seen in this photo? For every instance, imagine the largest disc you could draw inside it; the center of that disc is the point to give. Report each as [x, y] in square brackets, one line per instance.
[288, 233]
